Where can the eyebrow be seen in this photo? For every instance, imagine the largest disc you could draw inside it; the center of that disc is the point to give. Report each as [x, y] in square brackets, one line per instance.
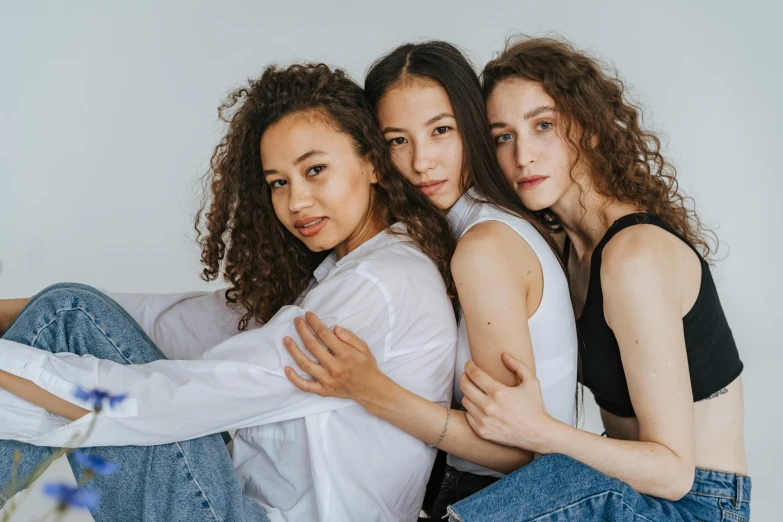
[428, 122]
[298, 160]
[538, 110]
[530, 114]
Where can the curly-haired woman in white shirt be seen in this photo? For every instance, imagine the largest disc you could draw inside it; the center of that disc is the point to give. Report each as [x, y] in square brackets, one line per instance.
[306, 212]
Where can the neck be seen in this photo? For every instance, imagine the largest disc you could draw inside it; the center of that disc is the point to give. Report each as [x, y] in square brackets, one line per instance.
[367, 230]
[586, 216]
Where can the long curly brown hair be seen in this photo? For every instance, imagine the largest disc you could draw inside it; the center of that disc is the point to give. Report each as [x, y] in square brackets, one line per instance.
[626, 163]
[265, 265]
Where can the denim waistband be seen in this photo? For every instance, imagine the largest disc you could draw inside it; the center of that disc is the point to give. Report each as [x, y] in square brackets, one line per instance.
[721, 484]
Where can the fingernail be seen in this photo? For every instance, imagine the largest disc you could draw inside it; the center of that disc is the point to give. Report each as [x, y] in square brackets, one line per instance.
[338, 330]
[308, 314]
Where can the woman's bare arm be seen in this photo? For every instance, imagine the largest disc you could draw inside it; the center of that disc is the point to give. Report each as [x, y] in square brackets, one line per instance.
[351, 372]
[643, 306]
[30, 392]
[9, 311]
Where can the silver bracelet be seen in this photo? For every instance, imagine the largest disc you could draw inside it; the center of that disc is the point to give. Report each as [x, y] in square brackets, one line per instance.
[445, 427]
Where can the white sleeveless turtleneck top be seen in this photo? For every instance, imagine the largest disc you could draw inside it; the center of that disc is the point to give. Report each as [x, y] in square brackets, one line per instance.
[552, 326]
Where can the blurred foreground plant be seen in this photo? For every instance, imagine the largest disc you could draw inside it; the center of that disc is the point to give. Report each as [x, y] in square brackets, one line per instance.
[64, 495]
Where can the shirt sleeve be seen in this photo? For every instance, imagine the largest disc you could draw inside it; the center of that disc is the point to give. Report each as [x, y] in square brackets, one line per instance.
[236, 384]
[183, 325]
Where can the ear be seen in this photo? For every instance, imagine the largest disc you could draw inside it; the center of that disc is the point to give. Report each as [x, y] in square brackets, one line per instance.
[369, 167]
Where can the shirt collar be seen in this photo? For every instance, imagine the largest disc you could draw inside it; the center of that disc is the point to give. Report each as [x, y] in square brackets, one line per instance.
[392, 234]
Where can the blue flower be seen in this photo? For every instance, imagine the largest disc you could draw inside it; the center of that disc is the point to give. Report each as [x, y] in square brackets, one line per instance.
[96, 464]
[70, 496]
[98, 397]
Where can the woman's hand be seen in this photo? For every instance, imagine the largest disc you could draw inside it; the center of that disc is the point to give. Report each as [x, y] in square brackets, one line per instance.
[512, 416]
[347, 370]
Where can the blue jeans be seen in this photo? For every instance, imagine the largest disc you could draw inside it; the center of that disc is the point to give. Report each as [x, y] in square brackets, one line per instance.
[183, 481]
[557, 488]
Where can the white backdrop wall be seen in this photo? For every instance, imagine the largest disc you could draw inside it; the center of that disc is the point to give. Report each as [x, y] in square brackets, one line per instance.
[107, 120]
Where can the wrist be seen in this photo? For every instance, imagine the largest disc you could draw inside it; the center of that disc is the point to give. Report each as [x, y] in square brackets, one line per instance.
[377, 395]
[552, 434]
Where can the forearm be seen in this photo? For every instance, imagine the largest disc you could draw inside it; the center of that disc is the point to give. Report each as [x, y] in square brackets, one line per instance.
[32, 393]
[9, 311]
[165, 400]
[425, 420]
[648, 467]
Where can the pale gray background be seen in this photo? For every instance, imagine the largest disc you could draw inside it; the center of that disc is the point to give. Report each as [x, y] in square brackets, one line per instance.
[108, 116]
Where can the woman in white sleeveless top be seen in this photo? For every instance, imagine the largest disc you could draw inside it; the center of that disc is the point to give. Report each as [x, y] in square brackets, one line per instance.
[512, 288]
[552, 327]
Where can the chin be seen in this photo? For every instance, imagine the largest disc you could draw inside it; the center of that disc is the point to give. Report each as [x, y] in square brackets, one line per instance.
[445, 201]
[534, 203]
[313, 245]
[323, 246]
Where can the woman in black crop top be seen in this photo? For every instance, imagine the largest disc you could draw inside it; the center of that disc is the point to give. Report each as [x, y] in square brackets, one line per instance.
[658, 353]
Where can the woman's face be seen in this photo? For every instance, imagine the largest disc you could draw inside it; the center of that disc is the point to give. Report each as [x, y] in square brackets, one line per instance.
[527, 131]
[321, 188]
[418, 122]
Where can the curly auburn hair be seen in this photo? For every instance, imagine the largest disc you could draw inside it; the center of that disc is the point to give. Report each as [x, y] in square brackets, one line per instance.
[267, 266]
[626, 164]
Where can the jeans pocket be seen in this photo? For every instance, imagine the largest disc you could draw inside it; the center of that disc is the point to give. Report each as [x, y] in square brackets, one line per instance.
[730, 514]
[733, 516]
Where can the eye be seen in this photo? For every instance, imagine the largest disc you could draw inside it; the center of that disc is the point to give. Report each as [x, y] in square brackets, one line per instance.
[544, 126]
[276, 184]
[442, 130]
[503, 138]
[396, 141]
[317, 169]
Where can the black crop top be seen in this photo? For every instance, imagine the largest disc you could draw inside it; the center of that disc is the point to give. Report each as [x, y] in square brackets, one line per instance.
[713, 360]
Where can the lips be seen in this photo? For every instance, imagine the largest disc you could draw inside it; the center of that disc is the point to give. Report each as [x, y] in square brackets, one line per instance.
[530, 182]
[310, 226]
[430, 187]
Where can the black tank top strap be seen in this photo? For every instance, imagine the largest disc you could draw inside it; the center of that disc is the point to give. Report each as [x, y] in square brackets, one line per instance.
[641, 218]
[638, 218]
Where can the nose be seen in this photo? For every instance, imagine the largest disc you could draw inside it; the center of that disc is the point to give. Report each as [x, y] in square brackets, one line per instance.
[423, 159]
[525, 153]
[299, 196]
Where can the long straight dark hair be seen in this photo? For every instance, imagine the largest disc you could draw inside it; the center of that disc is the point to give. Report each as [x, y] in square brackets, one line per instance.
[443, 63]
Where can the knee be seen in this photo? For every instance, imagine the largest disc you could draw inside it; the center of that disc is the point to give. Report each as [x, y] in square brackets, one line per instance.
[62, 297]
[68, 294]
[66, 286]
[563, 465]
[560, 469]
[560, 461]
[566, 470]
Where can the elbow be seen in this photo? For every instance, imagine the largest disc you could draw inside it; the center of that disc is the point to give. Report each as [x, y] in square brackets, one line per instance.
[680, 485]
[510, 465]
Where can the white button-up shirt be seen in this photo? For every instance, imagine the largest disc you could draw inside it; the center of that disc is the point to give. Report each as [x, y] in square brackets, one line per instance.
[303, 457]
